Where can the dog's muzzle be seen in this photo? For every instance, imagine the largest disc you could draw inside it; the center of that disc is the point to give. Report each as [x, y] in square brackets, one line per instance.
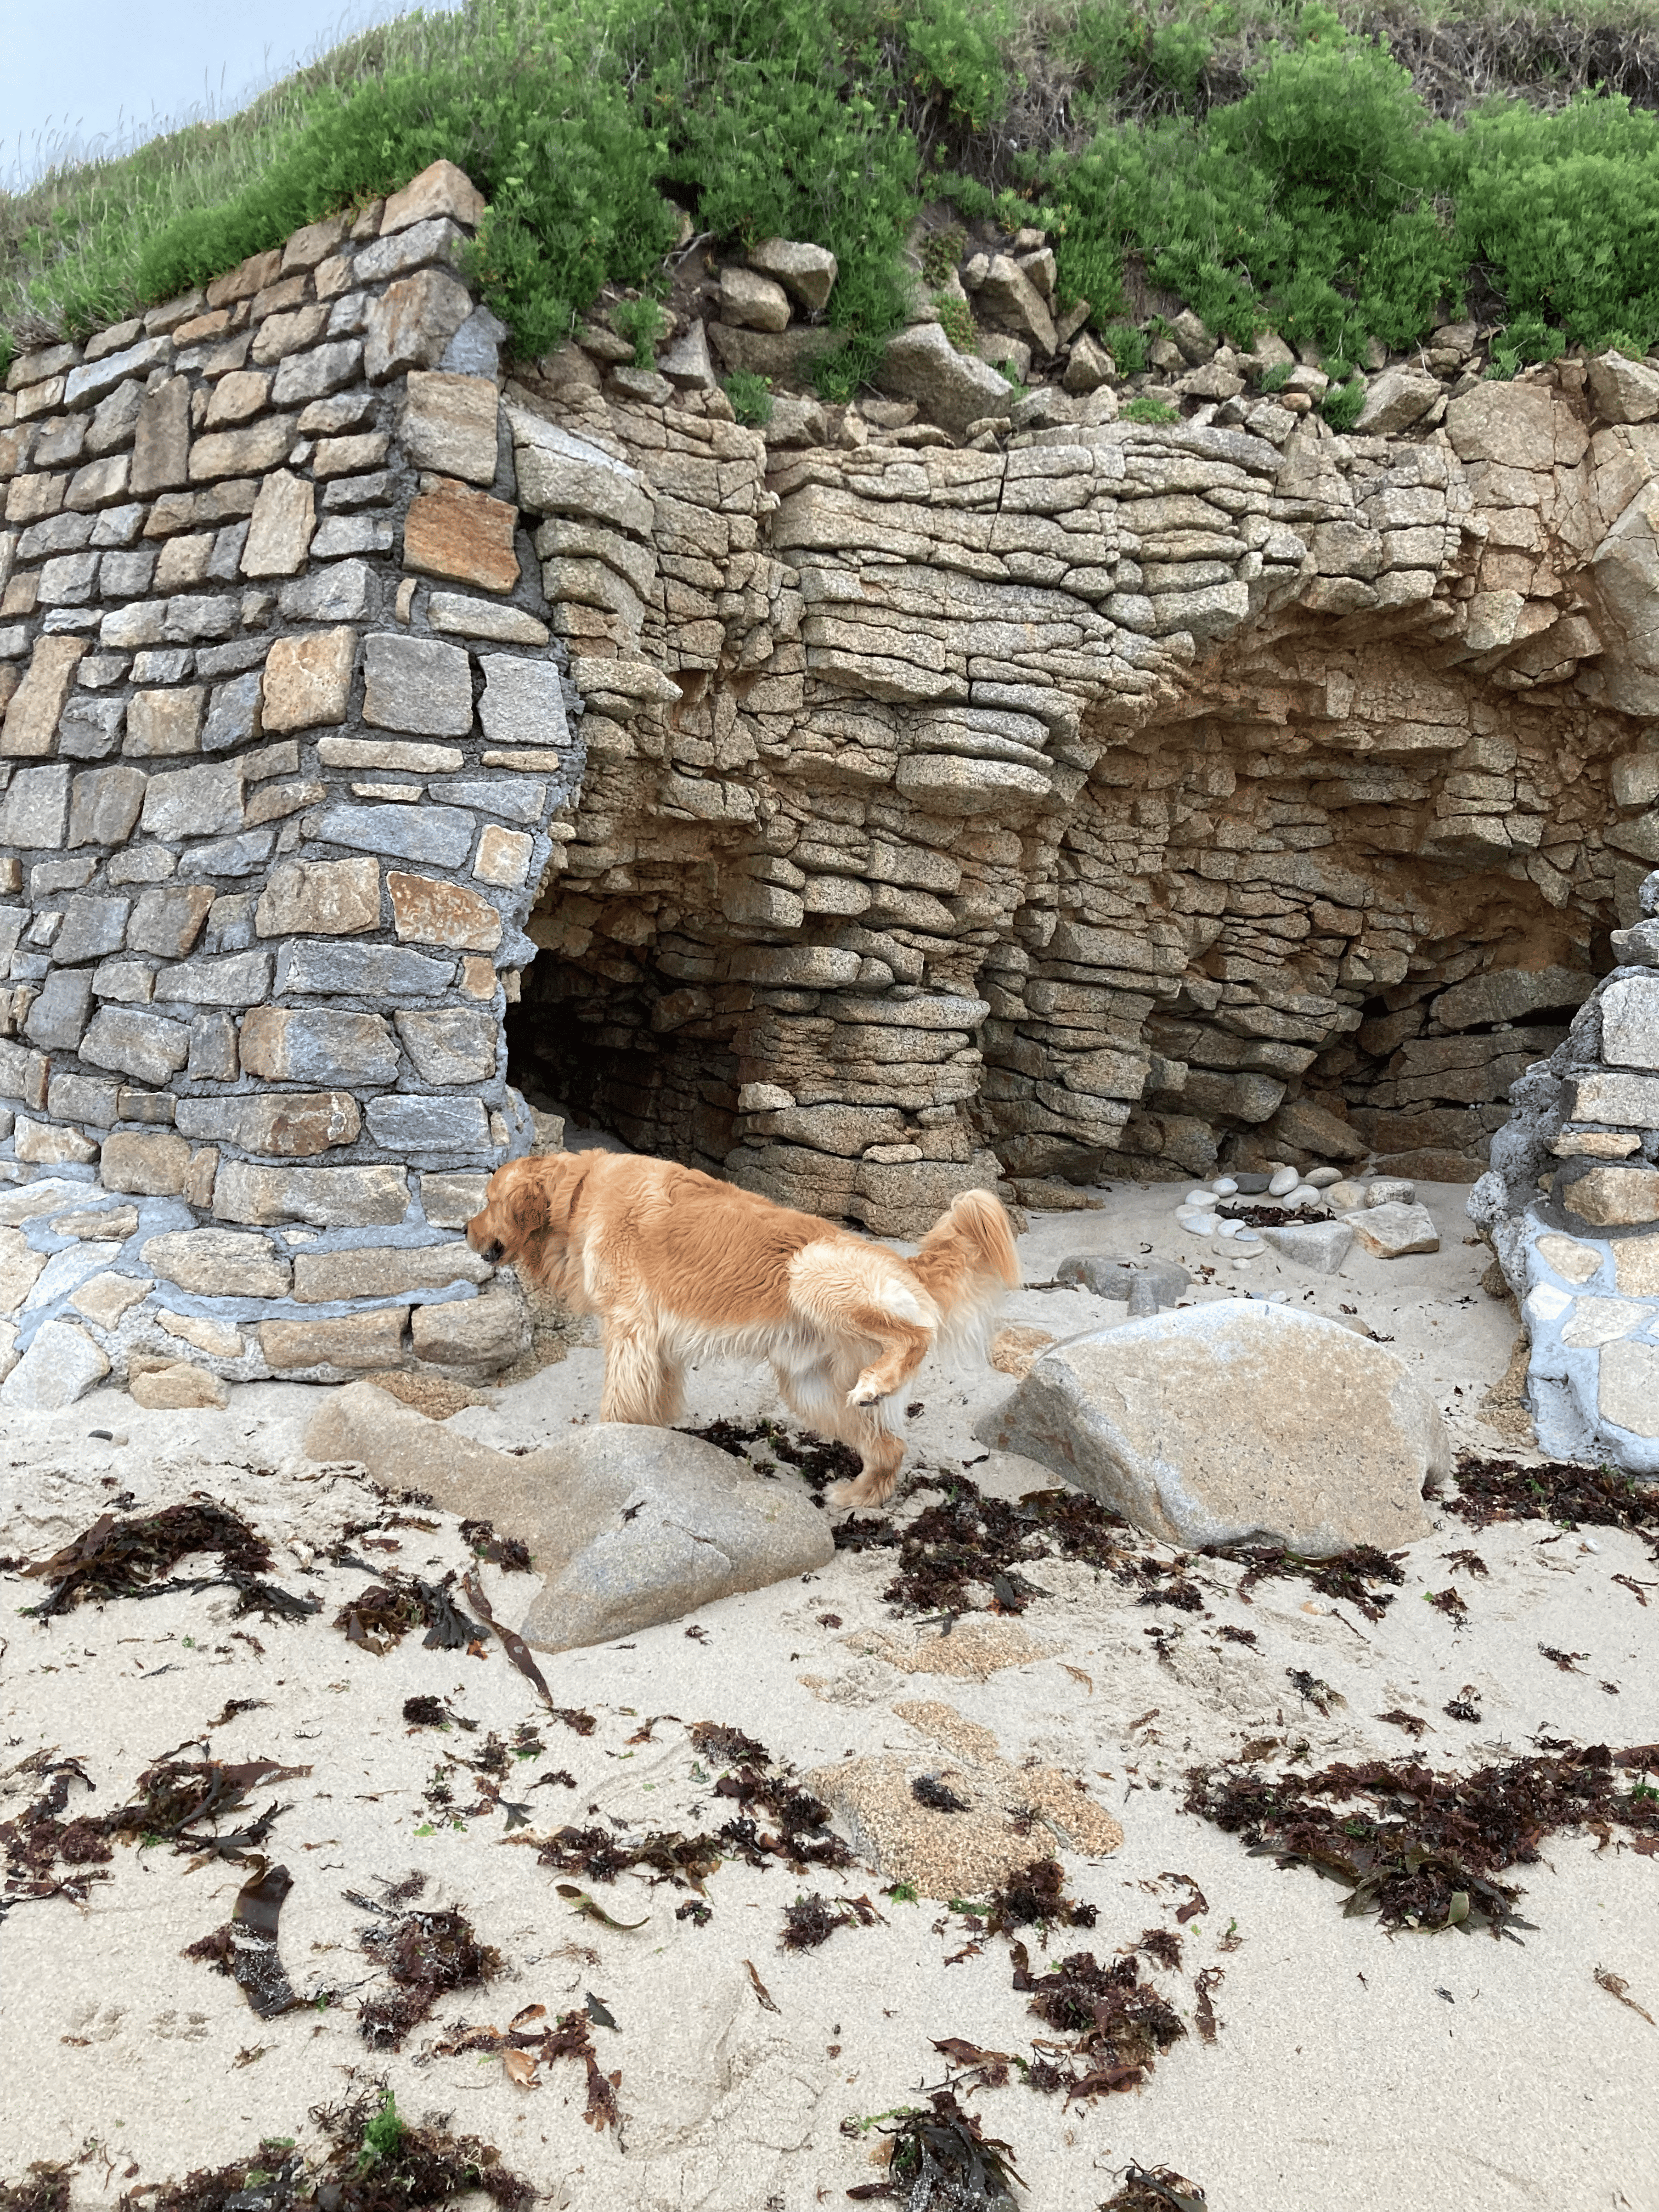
[493, 1252]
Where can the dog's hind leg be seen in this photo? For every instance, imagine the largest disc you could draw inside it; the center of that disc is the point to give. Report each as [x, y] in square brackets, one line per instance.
[642, 1385]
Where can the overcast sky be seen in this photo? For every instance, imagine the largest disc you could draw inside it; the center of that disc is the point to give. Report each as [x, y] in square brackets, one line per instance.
[83, 70]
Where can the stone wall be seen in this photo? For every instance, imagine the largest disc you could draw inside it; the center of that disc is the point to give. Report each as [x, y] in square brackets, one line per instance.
[284, 734]
[1570, 1204]
[941, 813]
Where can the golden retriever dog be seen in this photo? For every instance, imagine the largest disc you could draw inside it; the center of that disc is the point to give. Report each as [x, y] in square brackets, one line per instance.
[681, 1267]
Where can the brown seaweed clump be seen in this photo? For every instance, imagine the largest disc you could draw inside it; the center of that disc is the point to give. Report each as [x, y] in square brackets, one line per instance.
[1425, 1849]
[1561, 1491]
[425, 1954]
[373, 2160]
[943, 2158]
[135, 1557]
[1117, 2026]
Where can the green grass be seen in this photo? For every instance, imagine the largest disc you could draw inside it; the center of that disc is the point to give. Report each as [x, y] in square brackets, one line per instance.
[1269, 162]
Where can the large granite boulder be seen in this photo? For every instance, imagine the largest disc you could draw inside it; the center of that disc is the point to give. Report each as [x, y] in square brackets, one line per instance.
[628, 1526]
[1236, 1422]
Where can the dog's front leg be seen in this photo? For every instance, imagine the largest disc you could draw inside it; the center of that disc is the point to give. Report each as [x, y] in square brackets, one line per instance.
[641, 1386]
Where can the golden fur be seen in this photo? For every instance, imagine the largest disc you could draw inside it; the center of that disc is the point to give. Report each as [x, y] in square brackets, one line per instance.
[680, 1268]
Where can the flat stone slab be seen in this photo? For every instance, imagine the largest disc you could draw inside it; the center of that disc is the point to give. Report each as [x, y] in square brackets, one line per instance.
[628, 1526]
[1236, 1422]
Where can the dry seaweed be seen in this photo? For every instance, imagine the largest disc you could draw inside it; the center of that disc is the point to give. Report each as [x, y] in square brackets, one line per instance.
[174, 1796]
[374, 2161]
[1561, 1491]
[46, 2188]
[378, 1617]
[510, 1553]
[937, 1796]
[246, 1946]
[1351, 1576]
[135, 1557]
[1425, 1849]
[1117, 2026]
[943, 2162]
[760, 1782]
[1157, 2189]
[425, 1954]
[967, 1540]
[1162, 1944]
[523, 2052]
[686, 1862]
[809, 1922]
[817, 1461]
[1034, 1896]
[1414, 1723]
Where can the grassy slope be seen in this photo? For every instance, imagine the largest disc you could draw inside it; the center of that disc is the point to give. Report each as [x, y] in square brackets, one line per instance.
[824, 118]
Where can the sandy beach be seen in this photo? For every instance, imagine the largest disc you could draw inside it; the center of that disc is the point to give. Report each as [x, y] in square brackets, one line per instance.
[1347, 2066]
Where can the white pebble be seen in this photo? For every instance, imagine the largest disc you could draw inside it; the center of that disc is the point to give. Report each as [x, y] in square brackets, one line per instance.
[1228, 1228]
[1305, 1195]
[1198, 1198]
[1202, 1224]
[1285, 1179]
[1224, 1187]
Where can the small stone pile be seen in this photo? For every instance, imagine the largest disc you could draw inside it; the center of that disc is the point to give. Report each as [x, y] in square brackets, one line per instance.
[1572, 1207]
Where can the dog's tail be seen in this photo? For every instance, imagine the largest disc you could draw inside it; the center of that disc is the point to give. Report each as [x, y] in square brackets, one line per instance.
[967, 1263]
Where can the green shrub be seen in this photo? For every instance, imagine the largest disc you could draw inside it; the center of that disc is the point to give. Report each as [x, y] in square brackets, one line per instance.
[1145, 408]
[750, 397]
[1126, 345]
[954, 52]
[955, 319]
[941, 253]
[1178, 56]
[1106, 41]
[641, 323]
[1276, 378]
[1343, 402]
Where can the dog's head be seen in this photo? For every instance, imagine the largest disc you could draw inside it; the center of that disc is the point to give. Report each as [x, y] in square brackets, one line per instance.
[526, 1219]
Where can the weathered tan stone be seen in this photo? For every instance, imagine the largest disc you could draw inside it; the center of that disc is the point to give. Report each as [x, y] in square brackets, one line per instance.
[163, 723]
[222, 1339]
[48, 1144]
[284, 524]
[102, 1223]
[105, 1299]
[448, 424]
[1615, 1198]
[413, 759]
[1628, 1387]
[1636, 1265]
[328, 1198]
[321, 899]
[19, 1270]
[440, 190]
[488, 1331]
[218, 1263]
[321, 1045]
[503, 856]
[307, 680]
[427, 911]
[385, 1271]
[412, 322]
[160, 453]
[31, 722]
[290, 1125]
[355, 1340]
[250, 453]
[450, 1200]
[452, 1044]
[463, 536]
[151, 1163]
[177, 1386]
[1577, 1262]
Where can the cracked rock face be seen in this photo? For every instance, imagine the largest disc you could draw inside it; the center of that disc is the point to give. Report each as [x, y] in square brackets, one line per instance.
[855, 814]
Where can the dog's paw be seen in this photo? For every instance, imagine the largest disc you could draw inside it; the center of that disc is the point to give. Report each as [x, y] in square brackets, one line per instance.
[867, 1391]
[845, 1495]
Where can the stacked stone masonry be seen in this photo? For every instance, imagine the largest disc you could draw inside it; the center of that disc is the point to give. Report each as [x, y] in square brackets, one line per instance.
[284, 733]
[891, 816]
[1570, 1204]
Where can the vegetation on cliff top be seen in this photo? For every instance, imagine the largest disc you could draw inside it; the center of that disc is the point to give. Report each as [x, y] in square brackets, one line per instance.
[1341, 174]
